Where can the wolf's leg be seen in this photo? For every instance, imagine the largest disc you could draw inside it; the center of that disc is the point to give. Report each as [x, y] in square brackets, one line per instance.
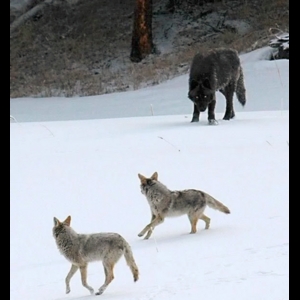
[206, 219]
[196, 114]
[228, 93]
[232, 114]
[69, 276]
[109, 276]
[83, 272]
[158, 220]
[211, 111]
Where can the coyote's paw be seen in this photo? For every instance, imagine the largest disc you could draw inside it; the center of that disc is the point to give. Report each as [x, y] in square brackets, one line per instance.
[207, 225]
[68, 290]
[141, 234]
[148, 235]
[100, 292]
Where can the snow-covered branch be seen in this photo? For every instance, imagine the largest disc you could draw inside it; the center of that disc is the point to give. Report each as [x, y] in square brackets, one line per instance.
[281, 43]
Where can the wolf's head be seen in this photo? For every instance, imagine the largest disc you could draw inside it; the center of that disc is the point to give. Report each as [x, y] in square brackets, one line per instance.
[202, 94]
[147, 182]
[60, 226]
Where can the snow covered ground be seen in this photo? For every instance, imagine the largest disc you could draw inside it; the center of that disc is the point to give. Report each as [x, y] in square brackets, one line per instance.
[81, 157]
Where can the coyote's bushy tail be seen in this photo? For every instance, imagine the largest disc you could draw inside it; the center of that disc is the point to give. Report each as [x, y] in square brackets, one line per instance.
[131, 262]
[240, 88]
[215, 204]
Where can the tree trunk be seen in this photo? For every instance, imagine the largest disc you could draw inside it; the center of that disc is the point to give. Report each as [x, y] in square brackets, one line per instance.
[142, 44]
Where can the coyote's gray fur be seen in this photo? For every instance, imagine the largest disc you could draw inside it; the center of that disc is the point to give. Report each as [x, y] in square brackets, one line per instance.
[217, 70]
[80, 249]
[166, 203]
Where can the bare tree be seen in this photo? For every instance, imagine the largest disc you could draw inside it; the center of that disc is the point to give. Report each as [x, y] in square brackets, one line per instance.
[142, 43]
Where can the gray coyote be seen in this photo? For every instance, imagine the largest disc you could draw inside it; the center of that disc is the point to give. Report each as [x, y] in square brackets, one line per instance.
[166, 203]
[80, 249]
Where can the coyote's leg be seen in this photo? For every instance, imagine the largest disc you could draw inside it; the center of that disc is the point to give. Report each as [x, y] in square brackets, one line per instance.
[151, 229]
[157, 220]
[193, 219]
[148, 234]
[69, 276]
[206, 219]
[83, 271]
[109, 276]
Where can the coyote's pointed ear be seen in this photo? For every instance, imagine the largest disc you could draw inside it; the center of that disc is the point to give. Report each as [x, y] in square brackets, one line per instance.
[142, 178]
[56, 221]
[67, 221]
[154, 176]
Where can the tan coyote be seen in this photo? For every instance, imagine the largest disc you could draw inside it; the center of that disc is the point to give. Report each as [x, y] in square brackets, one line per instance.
[80, 249]
[166, 203]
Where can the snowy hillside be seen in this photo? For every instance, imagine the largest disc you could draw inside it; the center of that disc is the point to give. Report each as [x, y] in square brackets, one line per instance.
[67, 158]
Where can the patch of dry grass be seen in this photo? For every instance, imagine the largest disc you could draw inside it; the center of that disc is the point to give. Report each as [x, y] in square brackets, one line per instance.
[84, 50]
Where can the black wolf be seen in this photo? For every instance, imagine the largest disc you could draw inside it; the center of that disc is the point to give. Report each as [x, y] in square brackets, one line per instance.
[217, 70]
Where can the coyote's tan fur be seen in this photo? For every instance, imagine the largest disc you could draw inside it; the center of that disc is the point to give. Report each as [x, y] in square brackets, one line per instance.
[166, 203]
[80, 249]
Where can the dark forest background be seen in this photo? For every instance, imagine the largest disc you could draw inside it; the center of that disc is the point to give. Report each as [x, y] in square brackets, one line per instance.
[87, 47]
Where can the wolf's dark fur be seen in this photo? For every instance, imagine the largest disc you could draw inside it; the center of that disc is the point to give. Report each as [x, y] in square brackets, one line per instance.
[217, 70]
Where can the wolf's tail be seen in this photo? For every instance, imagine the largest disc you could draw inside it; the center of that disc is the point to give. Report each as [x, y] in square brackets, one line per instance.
[240, 88]
[215, 204]
[131, 262]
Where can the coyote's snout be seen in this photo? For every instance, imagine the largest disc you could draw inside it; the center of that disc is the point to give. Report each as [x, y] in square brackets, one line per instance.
[166, 203]
[80, 249]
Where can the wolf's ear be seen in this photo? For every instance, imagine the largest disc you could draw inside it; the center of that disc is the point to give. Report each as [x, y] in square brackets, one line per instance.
[206, 84]
[67, 221]
[154, 176]
[56, 221]
[193, 93]
[193, 84]
[142, 178]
